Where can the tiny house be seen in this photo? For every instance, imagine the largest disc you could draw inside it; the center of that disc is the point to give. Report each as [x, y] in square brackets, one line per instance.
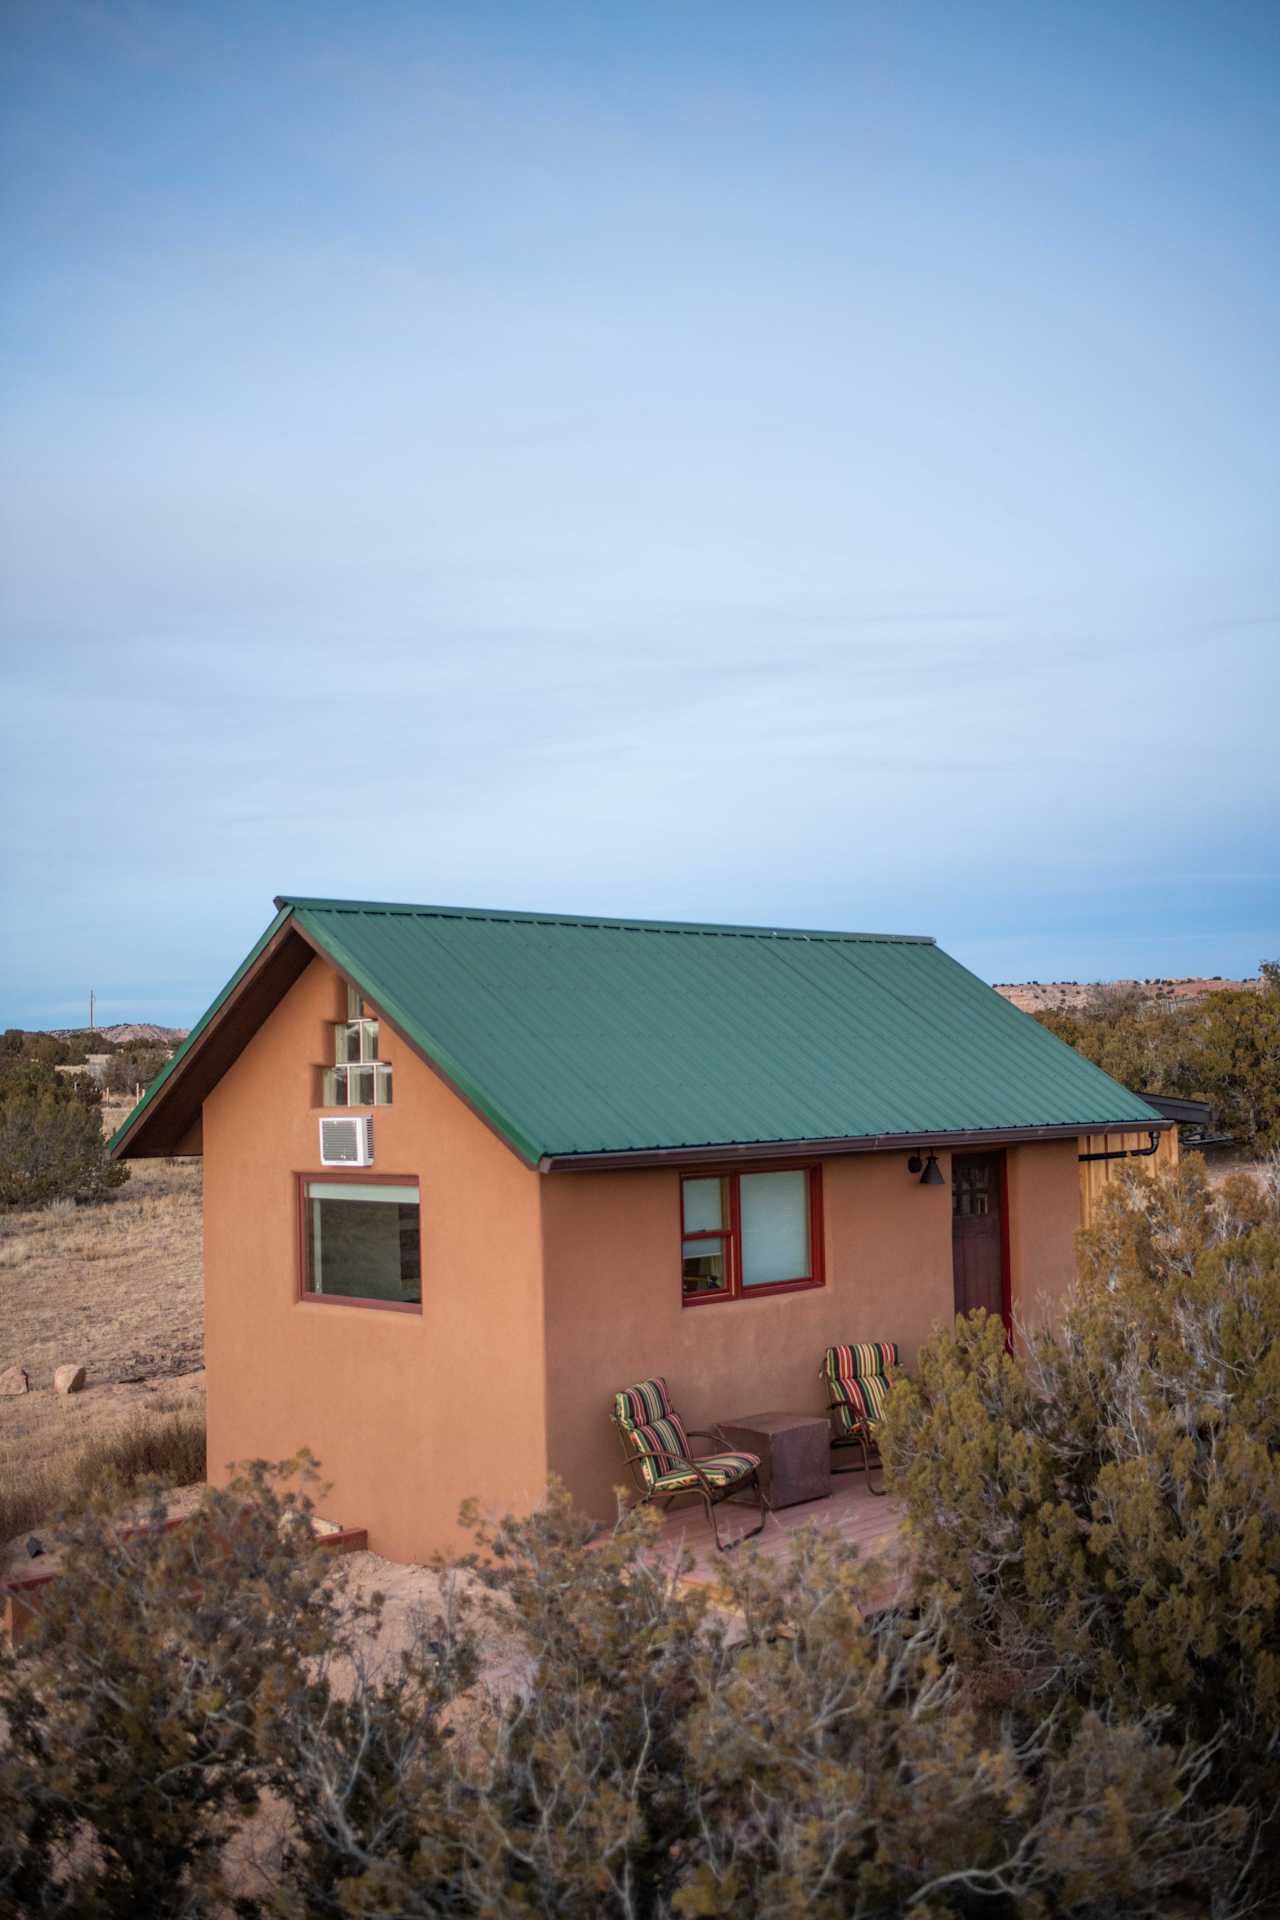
[467, 1173]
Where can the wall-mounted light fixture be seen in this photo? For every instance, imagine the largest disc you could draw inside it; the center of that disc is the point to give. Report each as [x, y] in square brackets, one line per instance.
[932, 1175]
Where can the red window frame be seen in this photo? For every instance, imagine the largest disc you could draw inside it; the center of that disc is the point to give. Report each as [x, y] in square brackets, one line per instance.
[345, 1177]
[731, 1234]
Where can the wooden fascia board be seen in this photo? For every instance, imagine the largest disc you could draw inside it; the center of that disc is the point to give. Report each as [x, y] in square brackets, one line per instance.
[730, 1155]
[1173, 1107]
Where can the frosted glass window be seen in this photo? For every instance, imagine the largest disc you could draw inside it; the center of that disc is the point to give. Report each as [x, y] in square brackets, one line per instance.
[775, 1228]
[703, 1206]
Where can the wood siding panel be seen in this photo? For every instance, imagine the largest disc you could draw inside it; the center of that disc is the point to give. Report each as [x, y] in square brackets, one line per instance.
[1097, 1175]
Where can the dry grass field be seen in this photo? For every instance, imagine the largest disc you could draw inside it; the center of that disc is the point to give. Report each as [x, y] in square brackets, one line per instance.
[115, 1288]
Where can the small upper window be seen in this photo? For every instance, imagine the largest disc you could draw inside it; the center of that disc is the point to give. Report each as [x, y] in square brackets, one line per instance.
[355, 1041]
[357, 1078]
[745, 1234]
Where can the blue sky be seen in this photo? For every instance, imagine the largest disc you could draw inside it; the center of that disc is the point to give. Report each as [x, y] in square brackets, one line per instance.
[811, 464]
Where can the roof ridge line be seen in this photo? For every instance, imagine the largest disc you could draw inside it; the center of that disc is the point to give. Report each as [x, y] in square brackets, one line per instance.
[629, 923]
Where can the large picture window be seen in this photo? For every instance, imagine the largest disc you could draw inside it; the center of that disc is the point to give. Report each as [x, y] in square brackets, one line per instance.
[747, 1234]
[362, 1242]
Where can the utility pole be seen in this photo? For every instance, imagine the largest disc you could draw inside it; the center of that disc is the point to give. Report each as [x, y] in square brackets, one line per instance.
[91, 1010]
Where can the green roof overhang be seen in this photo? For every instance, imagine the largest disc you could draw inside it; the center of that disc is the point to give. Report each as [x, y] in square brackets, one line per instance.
[589, 1044]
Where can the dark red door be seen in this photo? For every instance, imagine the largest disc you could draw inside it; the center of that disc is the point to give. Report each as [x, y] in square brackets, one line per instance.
[977, 1233]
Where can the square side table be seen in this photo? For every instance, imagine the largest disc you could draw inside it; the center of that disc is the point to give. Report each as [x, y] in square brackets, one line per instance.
[794, 1450]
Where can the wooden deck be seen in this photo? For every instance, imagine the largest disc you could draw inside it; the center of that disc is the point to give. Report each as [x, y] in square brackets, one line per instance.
[873, 1522]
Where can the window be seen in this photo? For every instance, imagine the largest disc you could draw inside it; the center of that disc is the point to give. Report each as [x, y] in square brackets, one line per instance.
[971, 1185]
[708, 1211]
[746, 1234]
[361, 1241]
[357, 1078]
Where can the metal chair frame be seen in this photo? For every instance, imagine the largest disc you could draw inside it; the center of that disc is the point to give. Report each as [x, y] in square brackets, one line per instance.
[859, 1434]
[710, 1494]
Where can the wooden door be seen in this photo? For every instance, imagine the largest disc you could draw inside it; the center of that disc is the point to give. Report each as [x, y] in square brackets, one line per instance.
[978, 1233]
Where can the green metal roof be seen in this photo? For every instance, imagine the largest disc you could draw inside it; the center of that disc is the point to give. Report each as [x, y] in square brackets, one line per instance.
[584, 1036]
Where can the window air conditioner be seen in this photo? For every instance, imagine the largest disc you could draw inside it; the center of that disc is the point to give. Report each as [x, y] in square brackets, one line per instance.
[347, 1142]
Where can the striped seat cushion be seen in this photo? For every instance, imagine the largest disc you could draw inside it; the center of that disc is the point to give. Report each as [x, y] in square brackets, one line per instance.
[638, 1406]
[855, 1402]
[868, 1358]
[648, 1419]
[722, 1469]
[667, 1437]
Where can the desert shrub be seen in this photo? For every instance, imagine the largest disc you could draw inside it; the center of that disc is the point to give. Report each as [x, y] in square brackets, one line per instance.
[572, 1794]
[22, 1076]
[135, 1712]
[1224, 1049]
[790, 1754]
[51, 1144]
[55, 1049]
[845, 1766]
[1238, 1059]
[1101, 1520]
[51, 1148]
[786, 1752]
[49, 1048]
[169, 1451]
[136, 1067]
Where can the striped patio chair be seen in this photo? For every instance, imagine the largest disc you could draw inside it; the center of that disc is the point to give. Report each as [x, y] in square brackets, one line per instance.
[857, 1380]
[655, 1442]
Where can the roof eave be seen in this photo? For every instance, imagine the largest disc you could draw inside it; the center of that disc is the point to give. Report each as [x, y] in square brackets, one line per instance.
[169, 1111]
[1173, 1107]
[167, 1118]
[739, 1153]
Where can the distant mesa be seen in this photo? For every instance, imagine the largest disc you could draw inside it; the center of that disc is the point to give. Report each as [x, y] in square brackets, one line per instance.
[1041, 996]
[126, 1035]
[130, 1033]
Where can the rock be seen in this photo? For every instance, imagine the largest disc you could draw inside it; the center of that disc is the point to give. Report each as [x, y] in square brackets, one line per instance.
[14, 1380]
[68, 1379]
